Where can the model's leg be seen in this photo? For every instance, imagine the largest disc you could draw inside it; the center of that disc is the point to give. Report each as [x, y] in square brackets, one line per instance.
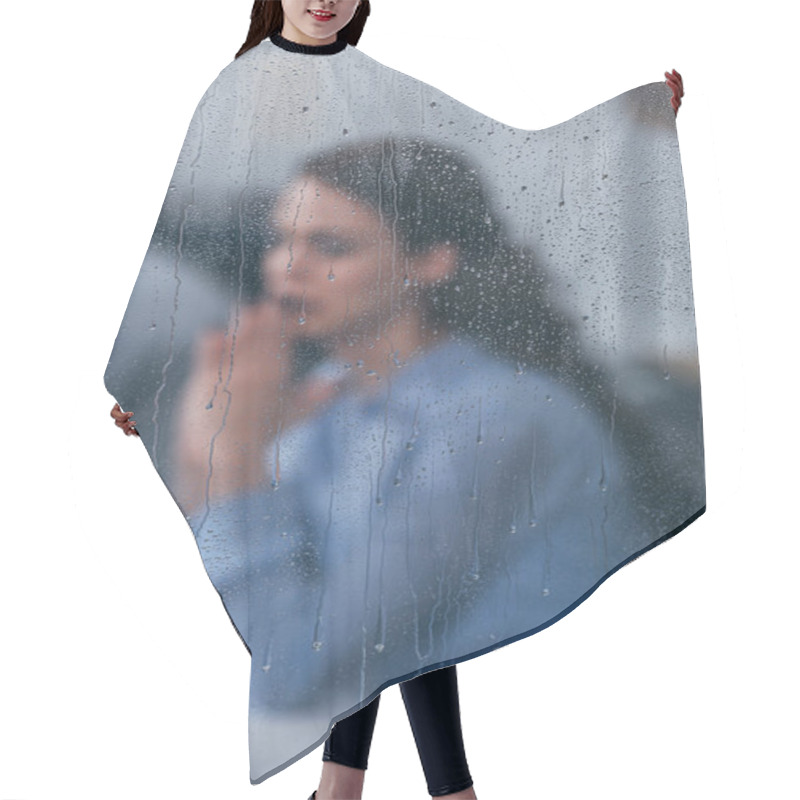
[345, 755]
[433, 711]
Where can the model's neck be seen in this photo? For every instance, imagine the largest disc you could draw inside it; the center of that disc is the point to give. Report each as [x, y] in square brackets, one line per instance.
[379, 353]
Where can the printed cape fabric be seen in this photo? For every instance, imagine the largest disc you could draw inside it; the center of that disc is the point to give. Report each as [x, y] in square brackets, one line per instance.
[418, 380]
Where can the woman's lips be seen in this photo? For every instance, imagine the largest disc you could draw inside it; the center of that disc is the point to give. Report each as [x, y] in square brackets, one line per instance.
[294, 305]
[322, 16]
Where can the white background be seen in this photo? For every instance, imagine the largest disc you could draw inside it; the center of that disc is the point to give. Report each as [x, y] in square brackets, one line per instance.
[120, 675]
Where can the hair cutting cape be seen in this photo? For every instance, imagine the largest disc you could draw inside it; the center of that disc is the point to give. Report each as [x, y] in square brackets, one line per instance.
[419, 381]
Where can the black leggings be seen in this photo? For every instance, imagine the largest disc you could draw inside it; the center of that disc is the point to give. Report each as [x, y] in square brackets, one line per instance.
[432, 706]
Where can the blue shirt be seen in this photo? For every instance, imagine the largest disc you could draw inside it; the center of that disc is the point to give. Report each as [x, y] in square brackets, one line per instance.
[462, 505]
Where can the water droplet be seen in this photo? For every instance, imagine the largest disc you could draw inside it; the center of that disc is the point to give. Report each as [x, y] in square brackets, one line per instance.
[331, 276]
[378, 501]
[266, 667]
[274, 483]
[397, 481]
[409, 446]
[301, 320]
[474, 576]
[545, 592]
[531, 523]
[209, 405]
[512, 529]
[379, 647]
[317, 645]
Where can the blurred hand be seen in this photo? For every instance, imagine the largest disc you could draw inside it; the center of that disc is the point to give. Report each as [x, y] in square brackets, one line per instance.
[675, 82]
[124, 420]
[232, 405]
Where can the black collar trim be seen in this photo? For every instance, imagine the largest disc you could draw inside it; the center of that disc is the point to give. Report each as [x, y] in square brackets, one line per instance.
[308, 49]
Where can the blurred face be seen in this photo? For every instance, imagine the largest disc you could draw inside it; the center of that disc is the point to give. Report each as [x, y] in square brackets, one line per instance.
[336, 269]
[316, 22]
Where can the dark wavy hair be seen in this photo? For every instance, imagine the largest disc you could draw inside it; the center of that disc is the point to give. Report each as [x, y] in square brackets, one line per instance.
[266, 19]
